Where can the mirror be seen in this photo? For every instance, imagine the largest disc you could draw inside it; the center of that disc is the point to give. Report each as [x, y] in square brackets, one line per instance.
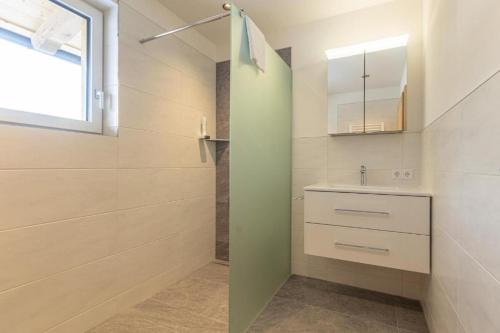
[367, 89]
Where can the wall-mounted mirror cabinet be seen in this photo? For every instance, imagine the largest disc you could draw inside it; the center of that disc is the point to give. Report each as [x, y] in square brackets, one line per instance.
[367, 88]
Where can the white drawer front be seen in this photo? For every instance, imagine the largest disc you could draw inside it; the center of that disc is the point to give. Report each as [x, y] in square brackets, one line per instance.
[372, 211]
[381, 248]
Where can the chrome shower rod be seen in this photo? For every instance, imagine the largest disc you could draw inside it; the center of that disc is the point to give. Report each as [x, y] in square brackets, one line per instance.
[194, 24]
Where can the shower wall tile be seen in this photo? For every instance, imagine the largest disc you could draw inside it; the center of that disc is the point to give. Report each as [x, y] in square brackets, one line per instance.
[222, 166]
[32, 253]
[223, 98]
[37, 148]
[30, 197]
[141, 187]
[44, 303]
[222, 161]
[92, 224]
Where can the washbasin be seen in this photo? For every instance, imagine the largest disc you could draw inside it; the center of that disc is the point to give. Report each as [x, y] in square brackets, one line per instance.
[366, 189]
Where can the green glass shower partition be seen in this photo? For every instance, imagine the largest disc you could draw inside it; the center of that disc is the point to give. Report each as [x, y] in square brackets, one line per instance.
[260, 179]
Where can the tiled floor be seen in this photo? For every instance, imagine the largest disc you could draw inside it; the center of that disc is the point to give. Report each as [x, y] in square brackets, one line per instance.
[310, 305]
[198, 303]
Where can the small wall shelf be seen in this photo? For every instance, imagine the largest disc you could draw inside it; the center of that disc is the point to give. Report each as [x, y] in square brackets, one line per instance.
[214, 140]
[217, 140]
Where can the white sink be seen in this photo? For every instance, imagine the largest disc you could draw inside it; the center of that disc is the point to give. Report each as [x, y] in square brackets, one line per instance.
[367, 189]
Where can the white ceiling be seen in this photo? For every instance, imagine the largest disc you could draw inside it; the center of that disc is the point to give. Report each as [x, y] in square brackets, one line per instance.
[270, 15]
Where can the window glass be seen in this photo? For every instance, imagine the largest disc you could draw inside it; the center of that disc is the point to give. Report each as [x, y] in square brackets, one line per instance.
[50, 63]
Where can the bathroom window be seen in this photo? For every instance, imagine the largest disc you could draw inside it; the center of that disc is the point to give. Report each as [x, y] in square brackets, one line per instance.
[51, 64]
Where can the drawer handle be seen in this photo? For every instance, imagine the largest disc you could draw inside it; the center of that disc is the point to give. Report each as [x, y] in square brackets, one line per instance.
[356, 211]
[362, 247]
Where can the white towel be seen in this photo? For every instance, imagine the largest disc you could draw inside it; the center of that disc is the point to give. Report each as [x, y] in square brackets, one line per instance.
[256, 44]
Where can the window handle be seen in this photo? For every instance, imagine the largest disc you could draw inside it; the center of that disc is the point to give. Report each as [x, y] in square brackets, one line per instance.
[99, 95]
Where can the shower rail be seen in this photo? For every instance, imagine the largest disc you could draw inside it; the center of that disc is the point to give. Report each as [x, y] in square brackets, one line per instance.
[226, 7]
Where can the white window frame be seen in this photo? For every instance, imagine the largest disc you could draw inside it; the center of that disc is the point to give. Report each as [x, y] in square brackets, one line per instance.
[94, 91]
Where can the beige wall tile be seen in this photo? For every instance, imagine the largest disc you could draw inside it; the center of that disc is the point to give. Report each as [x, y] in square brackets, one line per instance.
[305, 177]
[140, 187]
[140, 110]
[444, 317]
[481, 228]
[145, 73]
[478, 297]
[448, 208]
[445, 263]
[309, 153]
[30, 197]
[165, 18]
[198, 182]
[31, 148]
[375, 151]
[479, 48]
[144, 149]
[412, 151]
[443, 81]
[138, 226]
[35, 252]
[64, 295]
[448, 144]
[353, 177]
[481, 121]
[310, 105]
[461, 166]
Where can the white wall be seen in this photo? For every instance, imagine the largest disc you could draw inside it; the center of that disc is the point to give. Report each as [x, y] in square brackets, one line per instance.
[90, 224]
[462, 163]
[318, 157]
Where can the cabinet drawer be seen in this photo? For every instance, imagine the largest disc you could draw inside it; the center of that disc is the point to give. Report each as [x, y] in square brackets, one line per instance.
[381, 248]
[373, 211]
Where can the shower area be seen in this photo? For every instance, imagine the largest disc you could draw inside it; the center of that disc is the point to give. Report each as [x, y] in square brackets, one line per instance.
[249, 143]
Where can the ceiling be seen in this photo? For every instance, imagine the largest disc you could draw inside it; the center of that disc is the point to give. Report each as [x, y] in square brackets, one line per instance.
[270, 15]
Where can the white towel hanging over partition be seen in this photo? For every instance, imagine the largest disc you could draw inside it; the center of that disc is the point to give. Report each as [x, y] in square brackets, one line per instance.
[256, 44]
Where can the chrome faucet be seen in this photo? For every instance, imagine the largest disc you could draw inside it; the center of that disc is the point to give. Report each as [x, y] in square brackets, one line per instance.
[363, 175]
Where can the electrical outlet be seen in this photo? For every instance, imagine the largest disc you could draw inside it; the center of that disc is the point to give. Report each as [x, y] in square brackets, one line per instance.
[396, 174]
[407, 174]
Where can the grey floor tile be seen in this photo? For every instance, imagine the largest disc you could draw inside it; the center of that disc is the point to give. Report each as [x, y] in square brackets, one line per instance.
[204, 297]
[297, 317]
[213, 272]
[130, 323]
[279, 310]
[347, 300]
[178, 319]
[196, 304]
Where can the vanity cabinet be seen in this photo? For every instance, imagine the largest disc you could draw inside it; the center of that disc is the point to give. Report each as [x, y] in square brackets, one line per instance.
[383, 228]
